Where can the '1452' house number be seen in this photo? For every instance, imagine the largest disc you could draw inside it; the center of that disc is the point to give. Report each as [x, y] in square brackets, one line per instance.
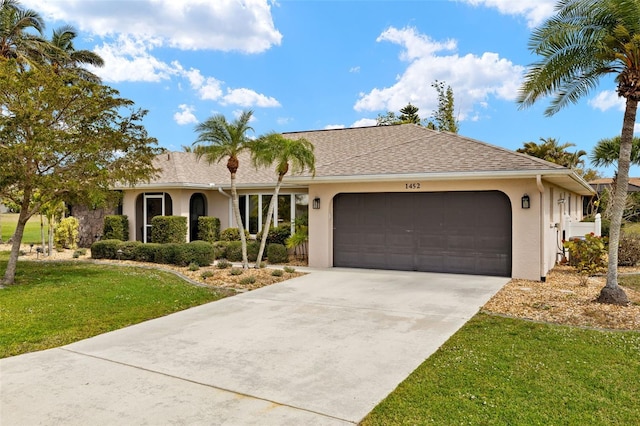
[412, 185]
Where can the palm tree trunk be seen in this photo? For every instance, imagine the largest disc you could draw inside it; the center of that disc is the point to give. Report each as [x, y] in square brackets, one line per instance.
[267, 226]
[611, 292]
[236, 211]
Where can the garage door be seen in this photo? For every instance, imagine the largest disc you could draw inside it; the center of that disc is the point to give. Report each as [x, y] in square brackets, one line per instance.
[452, 232]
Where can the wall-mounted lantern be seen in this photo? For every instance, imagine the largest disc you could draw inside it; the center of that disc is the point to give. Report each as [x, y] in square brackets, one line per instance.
[526, 202]
[316, 203]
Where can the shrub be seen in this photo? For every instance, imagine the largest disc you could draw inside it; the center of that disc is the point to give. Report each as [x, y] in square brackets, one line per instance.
[166, 253]
[105, 249]
[169, 229]
[198, 252]
[233, 234]
[234, 251]
[588, 254]
[220, 249]
[208, 229]
[629, 250]
[249, 279]
[145, 252]
[277, 253]
[223, 264]
[66, 234]
[193, 266]
[116, 227]
[235, 271]
[129, 249]
[277, 272]
[206, 274]
[289, 269]
[277, 235]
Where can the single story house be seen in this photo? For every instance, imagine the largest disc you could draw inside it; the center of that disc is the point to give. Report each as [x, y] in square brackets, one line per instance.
[400, 197]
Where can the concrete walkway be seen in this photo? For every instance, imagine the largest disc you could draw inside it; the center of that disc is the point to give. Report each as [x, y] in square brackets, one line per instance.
[322, 349]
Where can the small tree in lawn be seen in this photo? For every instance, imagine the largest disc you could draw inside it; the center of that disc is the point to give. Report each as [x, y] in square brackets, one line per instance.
[65, 142]
[219, 139]
[275, 148]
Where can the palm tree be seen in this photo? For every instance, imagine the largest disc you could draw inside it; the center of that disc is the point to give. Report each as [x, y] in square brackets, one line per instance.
[584, 41]
[225, 139]
[16, 43]
[550, 150]
[65, 58]
[607, 151]
[275, 148]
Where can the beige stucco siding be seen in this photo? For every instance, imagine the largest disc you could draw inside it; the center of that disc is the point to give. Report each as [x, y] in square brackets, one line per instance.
[529, 261]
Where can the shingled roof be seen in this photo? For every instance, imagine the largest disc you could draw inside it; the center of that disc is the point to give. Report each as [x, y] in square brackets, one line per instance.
[380, 152]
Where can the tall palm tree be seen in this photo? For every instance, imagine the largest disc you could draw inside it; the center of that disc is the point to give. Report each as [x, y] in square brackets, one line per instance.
[607, 151]
[16, 42]
[219, 139]
[65, 58]
[584, 41]
[275, 148]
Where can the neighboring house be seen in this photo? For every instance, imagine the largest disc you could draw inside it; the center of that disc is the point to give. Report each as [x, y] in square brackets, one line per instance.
[390, 197]
[600, 184]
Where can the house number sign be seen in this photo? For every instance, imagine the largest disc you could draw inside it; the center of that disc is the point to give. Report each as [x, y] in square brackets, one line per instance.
[415, 185]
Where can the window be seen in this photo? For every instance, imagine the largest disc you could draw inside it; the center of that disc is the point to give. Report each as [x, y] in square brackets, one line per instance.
[289, 208]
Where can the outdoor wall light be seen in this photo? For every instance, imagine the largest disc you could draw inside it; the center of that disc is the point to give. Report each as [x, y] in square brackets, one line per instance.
[526, 202]
[316, 203]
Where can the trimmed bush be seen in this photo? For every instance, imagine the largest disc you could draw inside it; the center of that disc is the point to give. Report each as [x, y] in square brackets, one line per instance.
[629, 250]
[66, 234]
[208, 229]
[129, 249]
[277, 253]
[220, 249]
[249, 279]
[146, 252]
[233, 234]
[105, 249]
[234, 251]
[166, 253]
[116, 227]
[277, 235]
[223, 264]
[169, 229]
[198, 252]
[277, 272]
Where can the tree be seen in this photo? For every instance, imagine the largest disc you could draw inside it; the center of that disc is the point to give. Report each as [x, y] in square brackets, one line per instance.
[63, 56]
[607, 151]
[225, 139]
[16, 42]
[443, 119]
[584, 41]
[66, 143]
[275, 148]
[409, 114]
[551, 150]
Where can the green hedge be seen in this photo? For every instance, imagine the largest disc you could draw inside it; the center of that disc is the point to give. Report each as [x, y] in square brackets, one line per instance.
[277, 235]
[198, 252]
[116, 227]
[277, 253]
[169, 229]
[208, 229]
[233, 234]
[234, 251]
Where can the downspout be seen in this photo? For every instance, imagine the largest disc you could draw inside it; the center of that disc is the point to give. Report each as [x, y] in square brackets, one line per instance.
[230, 206]
[543, 277]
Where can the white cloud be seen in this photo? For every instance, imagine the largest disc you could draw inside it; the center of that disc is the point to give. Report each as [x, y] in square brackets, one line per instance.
[354, 70]
[334, 126]
[636, 128]
[243, 25]
[128, 59]
[248, 98]
[473, 78]
[535, 11]
[365, 122]
[185, 115]
[606, 100]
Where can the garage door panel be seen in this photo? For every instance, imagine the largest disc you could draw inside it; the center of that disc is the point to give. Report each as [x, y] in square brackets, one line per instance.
[456, 232]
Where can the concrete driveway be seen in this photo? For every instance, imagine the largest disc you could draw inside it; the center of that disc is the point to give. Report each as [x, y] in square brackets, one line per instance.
[322, 349]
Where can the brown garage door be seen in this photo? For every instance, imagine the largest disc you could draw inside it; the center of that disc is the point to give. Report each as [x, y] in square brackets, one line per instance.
[452, 232]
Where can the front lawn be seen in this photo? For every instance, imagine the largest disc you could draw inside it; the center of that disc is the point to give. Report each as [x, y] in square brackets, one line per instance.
[54, 304]
[501, 371]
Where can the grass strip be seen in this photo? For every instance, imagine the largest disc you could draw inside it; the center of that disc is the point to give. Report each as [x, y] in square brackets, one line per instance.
[57, 303]
[499, 371]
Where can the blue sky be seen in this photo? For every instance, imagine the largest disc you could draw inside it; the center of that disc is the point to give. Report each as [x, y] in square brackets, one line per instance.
[304, 65]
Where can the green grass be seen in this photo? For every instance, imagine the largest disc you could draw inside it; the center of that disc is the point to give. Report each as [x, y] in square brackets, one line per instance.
[632, 228]
[499, 371]
[32, 234]
[54, 304]
[630, 281]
